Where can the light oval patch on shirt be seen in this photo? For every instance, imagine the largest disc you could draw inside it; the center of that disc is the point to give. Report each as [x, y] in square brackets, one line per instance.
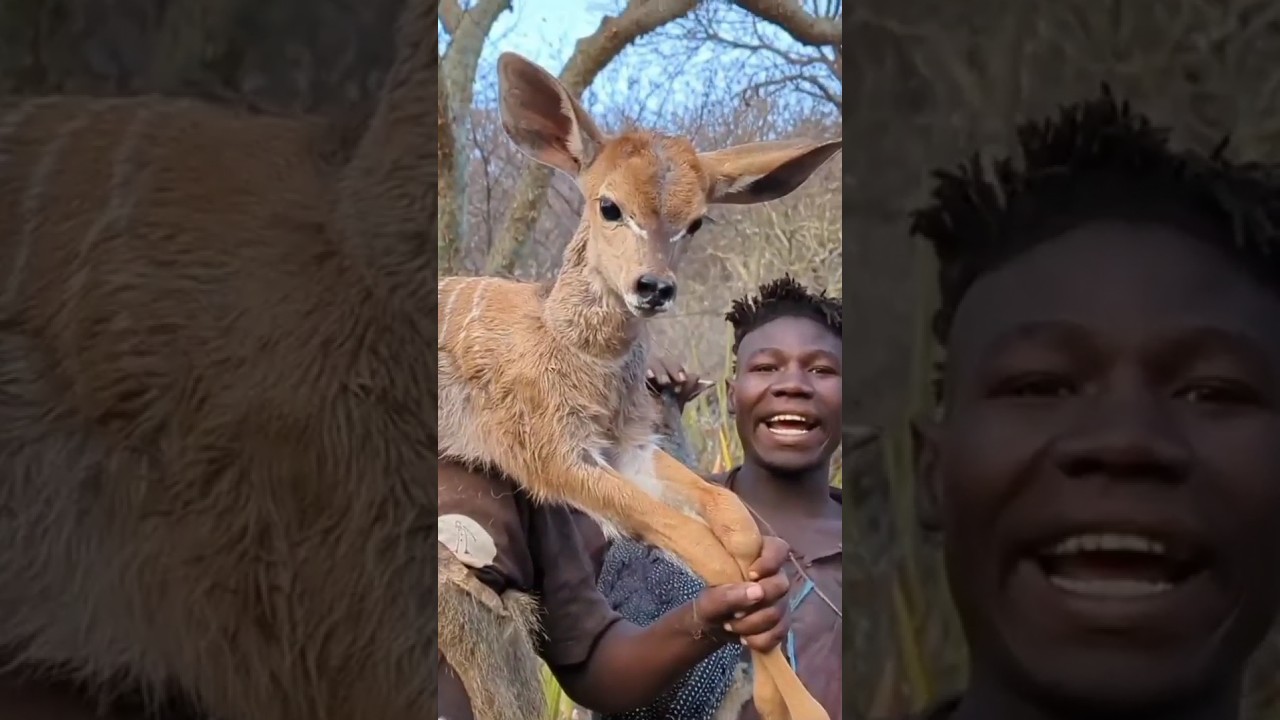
[468, 540]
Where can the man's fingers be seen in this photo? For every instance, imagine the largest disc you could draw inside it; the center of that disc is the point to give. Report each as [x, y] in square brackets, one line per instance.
[721, 604]
[728, 601]
[762, 621]
[696, 387]
[689, 386]
[772, 556]
[675, 371]
[755, 612]
[664, 374]
[667, 372]
[765, 642]
[775, 587]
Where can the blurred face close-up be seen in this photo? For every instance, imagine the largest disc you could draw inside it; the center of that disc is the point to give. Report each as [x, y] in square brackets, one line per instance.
[1107, 471]
[786, 395]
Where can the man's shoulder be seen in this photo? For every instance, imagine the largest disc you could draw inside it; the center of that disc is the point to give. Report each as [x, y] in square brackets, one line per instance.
[484, 519]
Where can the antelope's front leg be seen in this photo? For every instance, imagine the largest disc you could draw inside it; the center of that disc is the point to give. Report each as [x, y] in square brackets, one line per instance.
[724, 512]
[778, 692]
[630, 497]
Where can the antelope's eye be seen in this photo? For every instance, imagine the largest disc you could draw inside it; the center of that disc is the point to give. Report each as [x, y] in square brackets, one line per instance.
[609, 210]
[694, 227]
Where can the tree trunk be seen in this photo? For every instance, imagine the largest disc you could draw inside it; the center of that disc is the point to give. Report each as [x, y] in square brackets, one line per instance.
[468, 31]
[448, 233]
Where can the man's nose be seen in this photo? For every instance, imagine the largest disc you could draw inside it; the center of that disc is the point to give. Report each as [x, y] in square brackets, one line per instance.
[792, 382]
[1128, 434]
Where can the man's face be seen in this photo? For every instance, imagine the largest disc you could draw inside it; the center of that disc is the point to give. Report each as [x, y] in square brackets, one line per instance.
[1107, 473]
[786, 395]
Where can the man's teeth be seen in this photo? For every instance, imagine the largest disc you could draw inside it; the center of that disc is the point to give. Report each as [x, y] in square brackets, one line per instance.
[788, 430]
[1111, 588]
[799, 425]
[1096, 542]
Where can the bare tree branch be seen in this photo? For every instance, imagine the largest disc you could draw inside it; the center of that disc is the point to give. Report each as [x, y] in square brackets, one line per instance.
[590, 56]
[791, 17]
[451, 15]
[486, 162]
[458, 76]
[800, 83]
[786, 66]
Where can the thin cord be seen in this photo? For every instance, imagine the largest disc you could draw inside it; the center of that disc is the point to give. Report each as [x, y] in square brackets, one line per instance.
[792, 557]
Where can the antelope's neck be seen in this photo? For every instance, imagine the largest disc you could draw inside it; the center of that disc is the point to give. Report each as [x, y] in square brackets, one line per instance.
[584, 314]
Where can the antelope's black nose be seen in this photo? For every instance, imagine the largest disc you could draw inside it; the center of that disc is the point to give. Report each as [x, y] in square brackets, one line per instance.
[655, 291]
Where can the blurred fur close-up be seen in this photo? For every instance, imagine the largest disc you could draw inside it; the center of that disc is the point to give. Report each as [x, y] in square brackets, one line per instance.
[933, 81]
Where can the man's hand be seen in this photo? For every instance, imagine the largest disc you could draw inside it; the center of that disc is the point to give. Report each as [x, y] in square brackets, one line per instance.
[666, 376]
[631, 665]
[754, 611]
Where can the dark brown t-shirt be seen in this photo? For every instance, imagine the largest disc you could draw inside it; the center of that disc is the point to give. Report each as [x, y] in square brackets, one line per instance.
[512, 543]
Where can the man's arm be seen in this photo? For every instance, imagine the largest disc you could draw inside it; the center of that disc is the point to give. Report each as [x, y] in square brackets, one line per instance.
[630, 666]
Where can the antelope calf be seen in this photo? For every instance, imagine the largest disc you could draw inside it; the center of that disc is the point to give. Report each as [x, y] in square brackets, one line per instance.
[547, 383]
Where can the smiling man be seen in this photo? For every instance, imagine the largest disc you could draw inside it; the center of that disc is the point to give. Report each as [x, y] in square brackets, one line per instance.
[1104, 468]
[785, 396]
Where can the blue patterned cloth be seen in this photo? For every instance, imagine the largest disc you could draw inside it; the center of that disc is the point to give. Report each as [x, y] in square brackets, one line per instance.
[643, 585]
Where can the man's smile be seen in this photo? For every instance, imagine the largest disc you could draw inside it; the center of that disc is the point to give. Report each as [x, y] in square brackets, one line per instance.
[1118, 575]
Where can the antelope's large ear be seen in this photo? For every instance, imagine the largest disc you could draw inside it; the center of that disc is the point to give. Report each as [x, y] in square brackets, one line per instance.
[543, 119]
[760, 172]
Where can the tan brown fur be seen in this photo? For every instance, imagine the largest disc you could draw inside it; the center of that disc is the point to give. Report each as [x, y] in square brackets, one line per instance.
[489, 642]
[216, 392]
[547, 384]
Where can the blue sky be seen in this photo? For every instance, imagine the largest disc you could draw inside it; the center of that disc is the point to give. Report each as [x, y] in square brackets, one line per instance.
[545, 31]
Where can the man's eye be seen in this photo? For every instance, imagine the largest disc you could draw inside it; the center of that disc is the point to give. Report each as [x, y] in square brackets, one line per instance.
[1037, 386]
[763, 368]
[1219, 392]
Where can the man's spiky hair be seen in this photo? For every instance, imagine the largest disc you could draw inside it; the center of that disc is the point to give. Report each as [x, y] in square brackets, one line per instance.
[1095, 160]
[784, 297]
